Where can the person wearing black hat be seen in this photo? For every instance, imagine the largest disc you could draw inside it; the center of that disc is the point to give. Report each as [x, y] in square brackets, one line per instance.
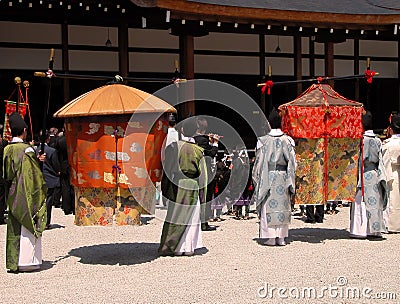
[167, 188]
[274, 176]
[366, 214]
[181, 233]
[67, 190]
[209, 142]
[25, 197]
[172, 134]
[391, 160]
[51, 173]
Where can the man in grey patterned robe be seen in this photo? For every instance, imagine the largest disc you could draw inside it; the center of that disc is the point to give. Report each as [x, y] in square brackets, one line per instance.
[274, 176]
[366, 217]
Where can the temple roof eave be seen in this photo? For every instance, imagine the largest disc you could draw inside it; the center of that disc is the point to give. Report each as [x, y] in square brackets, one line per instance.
[204, 11]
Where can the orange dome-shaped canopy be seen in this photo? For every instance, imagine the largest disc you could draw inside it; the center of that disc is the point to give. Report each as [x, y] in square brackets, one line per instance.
[114, 99]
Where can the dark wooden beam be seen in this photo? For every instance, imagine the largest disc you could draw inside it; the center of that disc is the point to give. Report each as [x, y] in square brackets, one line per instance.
[65, 59]
[298, 71]
[329, 61]
[186, 45]
[356, 68]
[123, 50]
[311, 51]
[398, 74]
[261, 45]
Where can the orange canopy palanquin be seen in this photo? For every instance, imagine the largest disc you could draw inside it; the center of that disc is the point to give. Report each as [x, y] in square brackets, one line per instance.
[114, 137]
[327, 128]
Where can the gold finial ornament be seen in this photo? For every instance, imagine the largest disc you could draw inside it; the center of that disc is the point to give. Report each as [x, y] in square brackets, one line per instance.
[52, 54]
[26, 84]
[17, 80]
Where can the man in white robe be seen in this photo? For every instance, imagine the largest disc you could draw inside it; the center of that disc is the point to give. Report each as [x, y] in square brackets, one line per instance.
[391, 160]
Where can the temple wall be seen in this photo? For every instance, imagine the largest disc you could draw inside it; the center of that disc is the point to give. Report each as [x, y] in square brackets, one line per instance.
[142, 61]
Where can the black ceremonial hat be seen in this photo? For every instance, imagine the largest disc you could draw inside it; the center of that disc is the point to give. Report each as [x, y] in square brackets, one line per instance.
[274, 119]
[171, 119]
[367, 120]
[395, 122]
[189, 127]
[17, 124]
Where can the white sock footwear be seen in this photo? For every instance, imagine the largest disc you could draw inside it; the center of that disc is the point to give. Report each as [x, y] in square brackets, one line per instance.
[281, 242]
[270, 242]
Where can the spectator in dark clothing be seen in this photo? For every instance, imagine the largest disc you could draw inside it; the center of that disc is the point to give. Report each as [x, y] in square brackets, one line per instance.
[209, 142]
[67, 190]
[51, 174]
[239, 180]
[53, 132]
[315, 213]
[221, 180]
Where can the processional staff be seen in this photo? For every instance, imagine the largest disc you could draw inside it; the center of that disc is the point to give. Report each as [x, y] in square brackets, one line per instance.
[49, 75]
[266, 86]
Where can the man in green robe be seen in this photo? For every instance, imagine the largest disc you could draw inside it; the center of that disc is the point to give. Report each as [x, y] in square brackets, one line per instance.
[181, 233]
[25, 197]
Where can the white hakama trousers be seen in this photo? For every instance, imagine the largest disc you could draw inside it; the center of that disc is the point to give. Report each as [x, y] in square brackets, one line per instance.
[30, 252]
[192, 238]
[386, 216]
[392, 219]
[275, 231]
[358, 218]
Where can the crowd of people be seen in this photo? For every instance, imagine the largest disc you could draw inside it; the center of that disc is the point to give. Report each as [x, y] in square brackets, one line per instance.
[197, 186]
[268, 181]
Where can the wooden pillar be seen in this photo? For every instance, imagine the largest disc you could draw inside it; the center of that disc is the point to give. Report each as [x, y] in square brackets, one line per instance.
[311, 47]
[65, 59]
[329, 63]
[298, 72]
[356, 68]
[123, 54]
[261, 39]
[398, 74]
[186, 47]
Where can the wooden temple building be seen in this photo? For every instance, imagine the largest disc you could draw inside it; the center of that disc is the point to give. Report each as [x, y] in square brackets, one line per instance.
[228, 40]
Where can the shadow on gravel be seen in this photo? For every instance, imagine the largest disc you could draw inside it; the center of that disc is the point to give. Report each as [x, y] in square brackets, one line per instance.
[55, 226]
[117, 253]
[146, 219]
[313, 235]
[316, 235]
[46, 265]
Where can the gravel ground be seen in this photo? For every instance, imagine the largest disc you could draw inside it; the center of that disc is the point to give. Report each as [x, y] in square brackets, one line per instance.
[121, 265]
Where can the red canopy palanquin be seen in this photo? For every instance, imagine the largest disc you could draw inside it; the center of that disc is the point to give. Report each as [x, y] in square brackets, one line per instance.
[326, 127]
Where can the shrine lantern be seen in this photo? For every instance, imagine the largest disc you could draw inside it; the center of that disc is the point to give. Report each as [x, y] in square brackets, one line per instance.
[114, 137]
[327, 128]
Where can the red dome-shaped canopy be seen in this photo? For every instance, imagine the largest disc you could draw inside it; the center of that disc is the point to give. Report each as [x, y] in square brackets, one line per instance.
[114, 99]
[321, 94]
[322, 112]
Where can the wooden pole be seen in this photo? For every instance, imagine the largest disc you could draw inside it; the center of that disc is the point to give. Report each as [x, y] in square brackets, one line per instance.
[46, 106]
[65, 59]
[186, 46]
[298, 72]
[123, 53]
